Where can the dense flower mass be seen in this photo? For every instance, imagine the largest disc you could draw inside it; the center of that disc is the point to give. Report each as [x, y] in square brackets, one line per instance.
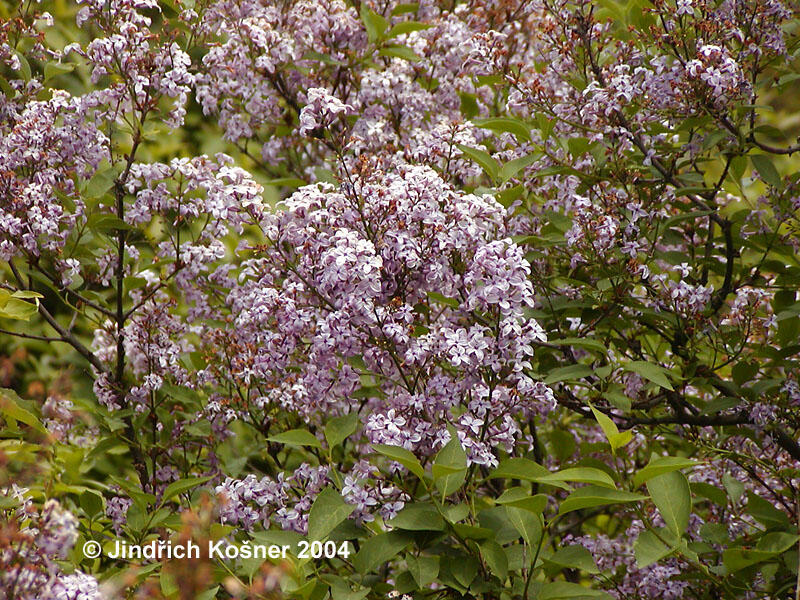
[399, 278]
[497, 298]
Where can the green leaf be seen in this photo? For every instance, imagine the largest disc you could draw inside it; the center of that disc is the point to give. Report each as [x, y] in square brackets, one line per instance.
[715, 533]
[765, 513]
[329, 509]
[581, 475]
[518, 128]
[528, 524]
[26, 294]
[380, 549]
[8, 91]
[659, 465]
[557, 170]
[469, 105]
[714, 138]
[169, 587]
[648, 549]
[507, 197]
[326, 175]
[618, 400]
[316, 589]
[340, 589]
[296, 437]
[182, 485]
[578, 146]
[651, 372]
[593, 495]
[456, 512]
[209, 594]
[52, 69]
[91, 503]
[545, 125]
[325, 59]
[556, 590]
[405, 8]
[495, 557]
[615, 438]
[398, 51]
[181, 394]
[483, 158]
[620, 440]
[562, 444]
[719, 404]
[738, 166]
[135, 492]
[496, 520]
[339, 429]
[278, 537]
[767, 170]
[424, 569]
[568, 373]
[11, 409]
[522, 498]
[450, 466]
[105, 223]
[405, 27]
[444, 300]
[744, 371]
[24, 66]
[464, 569]
[100, 183]
[402, 456]
[520, 468]
[574, 557]
[470, 532]
[291, 182]
[777, 542]
[418, 517]
[374, 23]
[586, 343]
[736, 559]
[733, 486]
[671, 495]
[16, 308]
[511, 168]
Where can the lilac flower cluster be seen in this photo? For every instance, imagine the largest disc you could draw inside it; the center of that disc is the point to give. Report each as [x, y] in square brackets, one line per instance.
[42, 142]
[146, 71]
[320, 110]
[352, 293]
[365, 488]
[284, 500]
[117, 510]
[29, 553]
[224, 198]
[615, 555]
[717, 70]
[76, 586]
[247, 78]
[269, 66]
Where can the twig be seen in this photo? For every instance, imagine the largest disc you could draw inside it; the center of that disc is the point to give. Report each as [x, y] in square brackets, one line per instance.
[66, 336]
[29, 336]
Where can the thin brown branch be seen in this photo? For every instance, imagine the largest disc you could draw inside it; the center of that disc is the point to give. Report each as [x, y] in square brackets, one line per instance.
[29, 336]
[66, 336]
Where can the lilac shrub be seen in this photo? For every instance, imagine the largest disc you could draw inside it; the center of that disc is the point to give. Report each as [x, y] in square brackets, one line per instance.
[499, 298]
